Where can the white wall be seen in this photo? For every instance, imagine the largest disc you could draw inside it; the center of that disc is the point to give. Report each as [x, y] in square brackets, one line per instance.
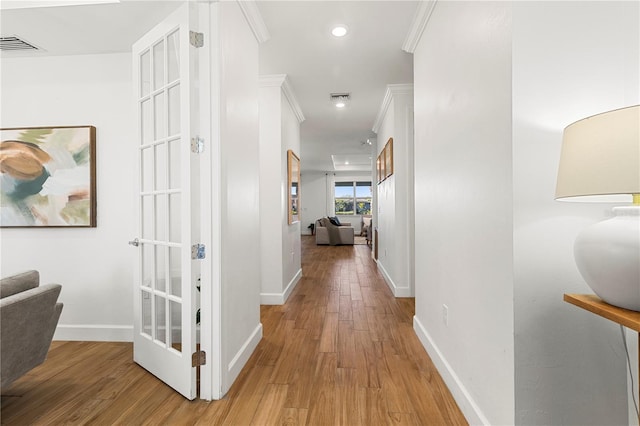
[394, 218]
[570, 60]
[291, 254]
[385, 219]
[279, 132]
[94, 265]
[272, 195]
[314, 202]
[463, 204]
[240, 218]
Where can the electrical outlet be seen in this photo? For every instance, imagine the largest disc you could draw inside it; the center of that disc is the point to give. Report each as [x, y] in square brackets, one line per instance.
[445, 314]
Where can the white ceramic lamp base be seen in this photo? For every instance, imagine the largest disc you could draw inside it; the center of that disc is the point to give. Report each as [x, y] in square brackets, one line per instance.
[608, 257]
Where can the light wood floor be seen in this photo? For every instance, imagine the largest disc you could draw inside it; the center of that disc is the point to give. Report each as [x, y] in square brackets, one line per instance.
[341, 351]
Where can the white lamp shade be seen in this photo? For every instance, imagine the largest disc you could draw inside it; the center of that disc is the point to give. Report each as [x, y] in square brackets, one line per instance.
[601, 155]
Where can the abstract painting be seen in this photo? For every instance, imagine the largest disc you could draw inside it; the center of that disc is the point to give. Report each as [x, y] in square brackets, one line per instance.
[48, 177]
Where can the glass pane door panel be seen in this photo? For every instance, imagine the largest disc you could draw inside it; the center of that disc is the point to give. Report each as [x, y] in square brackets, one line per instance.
[161, 167]
[162, 213]
[175, 224]
[174, 164]
[159, 112]
[147, 266]
[175, 309]
[173, 56]
[174, 110]
[146, 126]
[158, 65]
[147, 169]
[161, 273]
[145, 74]
[161, 318]
[145, 297]
[175, 266]
[147, 217]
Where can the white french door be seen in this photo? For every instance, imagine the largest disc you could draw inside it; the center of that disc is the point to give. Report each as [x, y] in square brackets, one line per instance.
[165, 274]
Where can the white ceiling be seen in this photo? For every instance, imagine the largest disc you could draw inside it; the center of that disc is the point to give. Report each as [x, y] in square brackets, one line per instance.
[86, 29]
[362, 63]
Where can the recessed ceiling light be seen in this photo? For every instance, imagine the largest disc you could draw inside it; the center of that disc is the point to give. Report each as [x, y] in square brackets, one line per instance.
[346, 162]
[340, 104]
[339, 31]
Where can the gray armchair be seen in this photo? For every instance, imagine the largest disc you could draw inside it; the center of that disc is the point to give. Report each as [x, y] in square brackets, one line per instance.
[28, 318]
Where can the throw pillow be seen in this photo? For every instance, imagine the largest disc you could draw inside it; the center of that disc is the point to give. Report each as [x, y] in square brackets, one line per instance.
[335, 220]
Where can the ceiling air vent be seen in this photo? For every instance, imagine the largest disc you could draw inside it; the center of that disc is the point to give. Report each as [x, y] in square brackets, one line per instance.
[13, 43]
[340, 100]
[340, 96]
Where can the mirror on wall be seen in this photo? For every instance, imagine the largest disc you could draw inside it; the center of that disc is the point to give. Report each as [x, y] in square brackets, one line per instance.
[293, 167]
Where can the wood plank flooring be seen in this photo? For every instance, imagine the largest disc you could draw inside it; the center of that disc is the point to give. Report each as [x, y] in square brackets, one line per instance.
[341, 351]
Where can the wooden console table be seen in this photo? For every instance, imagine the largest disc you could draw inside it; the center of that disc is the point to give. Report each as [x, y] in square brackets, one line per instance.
[593, 304]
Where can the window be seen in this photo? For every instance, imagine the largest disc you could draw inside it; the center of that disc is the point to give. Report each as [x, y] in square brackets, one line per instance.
[352, 198]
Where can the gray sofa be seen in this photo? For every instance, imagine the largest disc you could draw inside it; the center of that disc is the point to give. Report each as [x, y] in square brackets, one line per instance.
[343, 234]
[29, 315]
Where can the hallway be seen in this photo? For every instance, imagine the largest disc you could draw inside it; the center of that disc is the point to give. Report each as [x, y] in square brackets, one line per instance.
[341, 351]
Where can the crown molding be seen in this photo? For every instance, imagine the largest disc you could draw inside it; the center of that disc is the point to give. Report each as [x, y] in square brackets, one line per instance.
[420, 20]
[392, 90]
[282, 81]
[254, 18]
[272, 80]
[293, 101]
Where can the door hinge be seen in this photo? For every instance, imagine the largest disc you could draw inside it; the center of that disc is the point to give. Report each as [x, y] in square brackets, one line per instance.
[198, 251]
[198, 358]
[196, 39]
[197, 145]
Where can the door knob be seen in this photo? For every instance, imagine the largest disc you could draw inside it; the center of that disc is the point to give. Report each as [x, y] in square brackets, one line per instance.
[135, 242]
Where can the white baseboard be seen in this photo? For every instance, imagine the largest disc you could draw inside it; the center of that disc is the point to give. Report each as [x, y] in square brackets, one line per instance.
[467, 405]
[94, 333]
[241, 358]
[292, 284]
[397, 291]
[281, 298]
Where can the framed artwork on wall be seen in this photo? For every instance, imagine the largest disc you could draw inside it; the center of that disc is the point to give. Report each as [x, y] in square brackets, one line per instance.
[384, 162]
[388, 158]
[293, 185]
[48, 177]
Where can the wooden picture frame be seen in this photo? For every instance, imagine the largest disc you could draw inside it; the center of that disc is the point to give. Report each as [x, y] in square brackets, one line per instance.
[385, 161]
[293, 187]
[382, 167]
[388, 158]
[48, 176]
